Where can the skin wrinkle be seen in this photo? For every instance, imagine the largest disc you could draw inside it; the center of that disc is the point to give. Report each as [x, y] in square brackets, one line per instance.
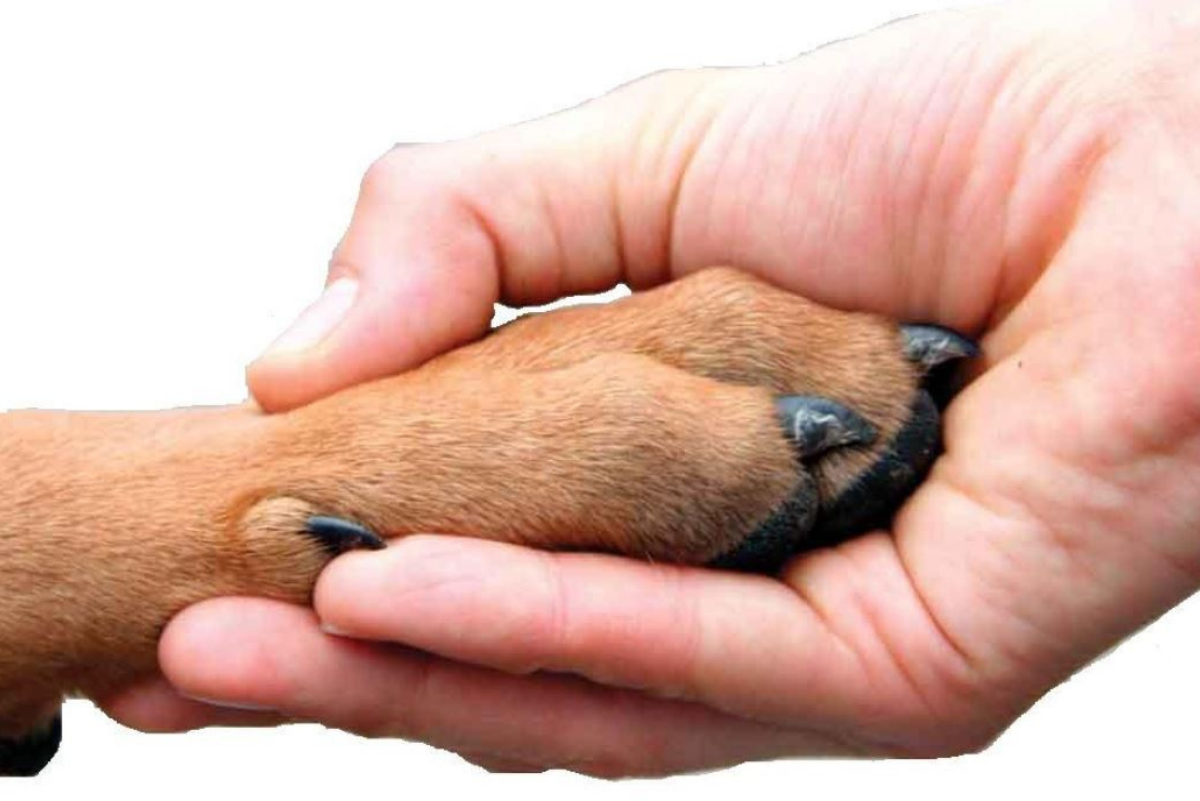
[709, 694]
[1188, 568]
[1005, 659]
[750, 149]
[683, 198]
[905, 251]
[1125, 494]
[796, 189]
[615, 233]
[1012, 507]
[778, 157]
[843, 215]
[499, 266]
[930, 715]
[801, 189]
[691, 622]
[679, 186]
[1010, 294]
[899, 666]
[934, 191]
[1003, 75]
[963, 664]
[673, 156]
[1022, 515]
[836, 118]
[506, 271]
[822, 204]
[1091, 152]
[726, 140]
[399, 713]
[559, 724]
[562, 256]
[558, 631]
[487, 194]
[895, 166]
[811, 603]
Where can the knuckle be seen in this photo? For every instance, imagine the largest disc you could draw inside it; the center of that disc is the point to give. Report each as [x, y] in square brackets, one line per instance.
[941, 739]
[383, 176]
[395, 171]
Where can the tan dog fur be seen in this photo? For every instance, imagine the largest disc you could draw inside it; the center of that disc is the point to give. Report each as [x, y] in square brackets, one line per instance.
[644, 427]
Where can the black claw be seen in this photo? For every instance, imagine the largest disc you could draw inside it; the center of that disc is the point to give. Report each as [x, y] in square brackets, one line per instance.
[932, 345]
[28, 755]
[816, 425]
[339, 536]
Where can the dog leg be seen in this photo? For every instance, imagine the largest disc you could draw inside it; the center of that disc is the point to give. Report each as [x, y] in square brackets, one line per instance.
[715, 421]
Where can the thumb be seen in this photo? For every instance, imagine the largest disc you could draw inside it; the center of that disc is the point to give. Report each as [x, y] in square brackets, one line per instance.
[814, 174]
[440, 233]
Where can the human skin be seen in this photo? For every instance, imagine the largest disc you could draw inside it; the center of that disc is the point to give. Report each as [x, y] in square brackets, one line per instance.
[1026, 173]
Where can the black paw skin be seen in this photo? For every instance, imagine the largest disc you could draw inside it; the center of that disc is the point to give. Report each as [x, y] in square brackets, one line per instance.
[871, 500]
[27, 755]
[868, 503]
[813, 425]
[783, 534]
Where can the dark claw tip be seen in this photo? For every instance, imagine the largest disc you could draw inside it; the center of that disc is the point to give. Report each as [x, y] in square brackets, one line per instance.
[339, 536]
[815, 425]
[931, 345]
[28, 755]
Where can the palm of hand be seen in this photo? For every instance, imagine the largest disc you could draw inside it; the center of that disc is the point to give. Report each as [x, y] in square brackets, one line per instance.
[1026, 178]
[1047, 206]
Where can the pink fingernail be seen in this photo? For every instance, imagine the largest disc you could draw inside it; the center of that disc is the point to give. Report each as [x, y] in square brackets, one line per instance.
[236, 705]
[319, 320]
[333, 630]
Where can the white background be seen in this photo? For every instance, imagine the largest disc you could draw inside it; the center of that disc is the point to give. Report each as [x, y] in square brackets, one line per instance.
[171, 185]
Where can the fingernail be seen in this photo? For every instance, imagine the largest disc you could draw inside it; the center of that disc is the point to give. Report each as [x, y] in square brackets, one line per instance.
[236, 705]
[317, 321]
[333, 630]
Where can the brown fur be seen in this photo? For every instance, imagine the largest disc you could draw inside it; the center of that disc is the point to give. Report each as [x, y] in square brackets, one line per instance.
[643, 427]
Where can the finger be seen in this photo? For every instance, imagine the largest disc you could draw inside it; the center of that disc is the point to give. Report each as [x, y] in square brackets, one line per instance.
[856, 648]
[440, 233]
[804, 173]
[155, 706]
[269, 654]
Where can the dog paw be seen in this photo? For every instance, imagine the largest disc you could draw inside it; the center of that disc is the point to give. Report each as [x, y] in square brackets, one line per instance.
[867, 498]
[716, 420]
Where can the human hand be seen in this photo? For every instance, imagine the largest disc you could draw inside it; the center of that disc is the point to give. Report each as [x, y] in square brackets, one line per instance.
[1026, 173]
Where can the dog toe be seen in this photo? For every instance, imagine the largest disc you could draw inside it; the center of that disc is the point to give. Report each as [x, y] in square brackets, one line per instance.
[814, 426]
[869, 500]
